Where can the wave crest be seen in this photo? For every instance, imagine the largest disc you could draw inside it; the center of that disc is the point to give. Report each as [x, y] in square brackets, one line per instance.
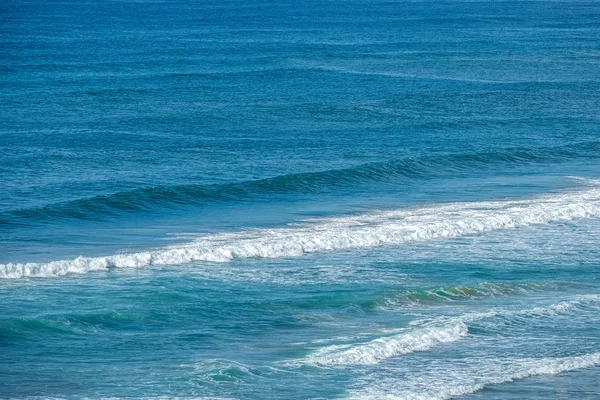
[382, 348]
[367, 230]
[102, 206]
[423, 335]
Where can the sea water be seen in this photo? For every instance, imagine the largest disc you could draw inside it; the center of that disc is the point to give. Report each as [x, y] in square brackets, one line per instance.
[358, 199]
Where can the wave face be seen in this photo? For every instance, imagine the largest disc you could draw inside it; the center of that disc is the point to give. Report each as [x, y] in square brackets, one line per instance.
[447, 294]
[367, 230]
[313, 182]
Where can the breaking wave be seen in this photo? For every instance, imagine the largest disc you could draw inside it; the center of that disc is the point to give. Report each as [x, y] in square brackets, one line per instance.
[146, 198]
[424, 335]
[390, 227]
[449, 384]
[380, 349]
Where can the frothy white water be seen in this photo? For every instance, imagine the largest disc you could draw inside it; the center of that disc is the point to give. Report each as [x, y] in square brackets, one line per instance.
[367, 230]
[381, 348]
[458, 382]
[425, 334]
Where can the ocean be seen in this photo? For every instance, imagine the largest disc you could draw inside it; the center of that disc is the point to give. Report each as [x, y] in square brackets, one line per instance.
[361, 199]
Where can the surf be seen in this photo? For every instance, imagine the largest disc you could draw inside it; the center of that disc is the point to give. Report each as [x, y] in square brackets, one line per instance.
[447, 384]
[424, 335]
[404, 170]
[373, 229]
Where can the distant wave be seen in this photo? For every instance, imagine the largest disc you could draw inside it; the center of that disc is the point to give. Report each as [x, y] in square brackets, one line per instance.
[424, 335]
[366, 230]
[147, 198]
[417, 76]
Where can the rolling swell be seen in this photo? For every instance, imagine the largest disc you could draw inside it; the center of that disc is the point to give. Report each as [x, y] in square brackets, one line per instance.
[67, 323]
[446, 294]
[148, 198]
[373, 229]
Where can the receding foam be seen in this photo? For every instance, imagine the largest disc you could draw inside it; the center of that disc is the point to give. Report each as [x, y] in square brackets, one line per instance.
[382, 348]
[423, 335]
[390, 227]
[451, 383]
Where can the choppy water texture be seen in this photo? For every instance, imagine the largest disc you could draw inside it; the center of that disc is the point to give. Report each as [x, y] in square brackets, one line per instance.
[300, 200]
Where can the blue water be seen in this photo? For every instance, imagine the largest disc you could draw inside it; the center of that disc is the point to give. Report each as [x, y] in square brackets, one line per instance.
[299, 200]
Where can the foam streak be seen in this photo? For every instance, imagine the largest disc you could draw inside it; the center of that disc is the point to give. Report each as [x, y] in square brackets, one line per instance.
[379, 349]
[424, 335]
[366, 230]
[502, 371]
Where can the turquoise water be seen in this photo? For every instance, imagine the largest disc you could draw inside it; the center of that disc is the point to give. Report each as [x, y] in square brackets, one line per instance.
[299, 200]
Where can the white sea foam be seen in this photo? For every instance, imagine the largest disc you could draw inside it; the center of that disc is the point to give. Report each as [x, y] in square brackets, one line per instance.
[366, 230]
[423, 335]
[379, 349]
[451, 382]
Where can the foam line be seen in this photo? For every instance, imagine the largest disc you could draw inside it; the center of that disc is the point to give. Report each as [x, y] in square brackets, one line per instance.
[390, 227]
[424, 335]
[380, 349]
[449, 385]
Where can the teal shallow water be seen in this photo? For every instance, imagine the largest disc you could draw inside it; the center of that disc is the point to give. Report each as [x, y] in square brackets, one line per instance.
[367, 200]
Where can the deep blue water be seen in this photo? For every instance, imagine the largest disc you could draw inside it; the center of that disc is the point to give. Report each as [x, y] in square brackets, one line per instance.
[356, 199]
